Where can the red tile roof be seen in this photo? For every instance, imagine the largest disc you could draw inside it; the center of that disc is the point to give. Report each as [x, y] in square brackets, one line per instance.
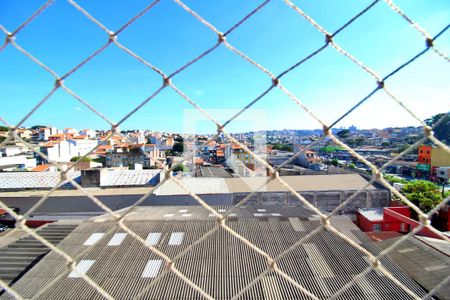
[41, 168]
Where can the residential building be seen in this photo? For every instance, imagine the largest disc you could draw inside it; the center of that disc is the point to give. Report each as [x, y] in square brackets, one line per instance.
[70, 130]
[24, 133]
[430, 159]
[136, 138]
[125, 155]
[12, 150]
[63, 151]
[170, 141]
[11, 163]
[88, 133]
[424, 154]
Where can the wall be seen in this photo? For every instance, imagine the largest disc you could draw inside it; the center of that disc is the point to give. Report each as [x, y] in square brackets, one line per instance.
[439, 158]
[78, 204]
[363, 223]
[325, 201]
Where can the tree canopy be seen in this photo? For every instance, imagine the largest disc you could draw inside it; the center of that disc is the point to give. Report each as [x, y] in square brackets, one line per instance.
[76, 158]
[36, 127]
[178, 147]
[425, 194]
[344, 133]
[180, 168]
[283, 147]
[442, 129]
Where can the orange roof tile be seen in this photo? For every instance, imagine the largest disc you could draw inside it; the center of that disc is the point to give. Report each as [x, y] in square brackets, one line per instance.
[41, 168]
[49, 144]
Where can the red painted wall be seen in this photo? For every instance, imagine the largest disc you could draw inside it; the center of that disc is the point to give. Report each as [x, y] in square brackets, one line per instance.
[389, 223]
[363, 223]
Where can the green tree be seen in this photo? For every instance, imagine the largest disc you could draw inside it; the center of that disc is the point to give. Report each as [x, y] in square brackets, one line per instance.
[36, 127]
[395, 179]
[2, 138]
[343, 134]
[179, 139]
[335, 162]
[425, 194]
[403, 147]
[283, 147]
[442, 129]
[178, 147]
[4, 128]
[180, 168]
[76, 158]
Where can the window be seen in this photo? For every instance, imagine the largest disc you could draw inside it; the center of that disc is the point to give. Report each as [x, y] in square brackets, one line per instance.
[376, 227]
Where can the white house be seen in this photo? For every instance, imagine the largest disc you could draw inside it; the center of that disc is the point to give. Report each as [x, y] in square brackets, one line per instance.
[88, 133]
[63, 151]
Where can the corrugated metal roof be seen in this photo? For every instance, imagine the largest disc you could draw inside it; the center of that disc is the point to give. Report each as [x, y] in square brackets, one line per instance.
[94, 238]
[34, 180]
[128, 177]
[176, 238]
[117, 239]
[153, 238]
[81, 268]
[220, 264]
[152, 268]
[424, 263]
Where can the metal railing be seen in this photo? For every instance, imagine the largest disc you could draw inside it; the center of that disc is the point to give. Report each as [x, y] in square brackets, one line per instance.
[381, 84]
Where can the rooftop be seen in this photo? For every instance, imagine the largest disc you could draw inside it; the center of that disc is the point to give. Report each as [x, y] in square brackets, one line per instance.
[421, 260]
[47, 180]
[372, 214]
[220, 263]
[304, 183]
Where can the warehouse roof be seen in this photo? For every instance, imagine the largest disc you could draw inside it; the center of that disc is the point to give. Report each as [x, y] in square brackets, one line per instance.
[220, 264]
[351, 182]
[421, 259]
[47, 180]
[34, 180]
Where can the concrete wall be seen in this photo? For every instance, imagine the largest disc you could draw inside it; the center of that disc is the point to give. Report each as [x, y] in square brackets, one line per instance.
[325, 201]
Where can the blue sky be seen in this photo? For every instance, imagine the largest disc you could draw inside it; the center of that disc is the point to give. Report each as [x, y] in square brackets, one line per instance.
[276, 37]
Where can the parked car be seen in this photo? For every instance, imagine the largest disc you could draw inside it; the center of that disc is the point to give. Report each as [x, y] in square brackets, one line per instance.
[3, 227]
[6, 219]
